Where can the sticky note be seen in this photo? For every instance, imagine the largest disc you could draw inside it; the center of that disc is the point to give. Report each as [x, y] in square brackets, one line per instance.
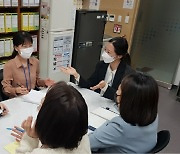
[11, 148]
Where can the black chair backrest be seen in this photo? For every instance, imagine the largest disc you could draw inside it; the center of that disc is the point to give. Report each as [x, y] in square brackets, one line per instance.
[2, 95]
[163, 138]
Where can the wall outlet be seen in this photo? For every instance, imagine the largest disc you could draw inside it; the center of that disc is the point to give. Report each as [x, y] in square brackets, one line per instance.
[112, 17]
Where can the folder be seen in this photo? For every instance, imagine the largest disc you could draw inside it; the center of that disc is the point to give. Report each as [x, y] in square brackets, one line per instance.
[24, 21]
[11, 45]
[7, 51]
[14, 22]
[7, 2]
[2, 26]
[2, 47]
[8, 22]
[1, 3]
[36, 21]
[36, 2]
[25, 2]
[31, 2]
[34, 37]
[31, 21]
[14, 2]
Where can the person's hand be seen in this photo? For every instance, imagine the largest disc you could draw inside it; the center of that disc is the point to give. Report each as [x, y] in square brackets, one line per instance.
[30, 130]
[100, 85]
[4, 109]
[17, 134]
[69, 71]
[49, 82]
[21, 90]
[40, 105]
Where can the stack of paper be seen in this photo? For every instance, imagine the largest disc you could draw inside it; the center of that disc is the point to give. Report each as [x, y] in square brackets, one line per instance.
[34, 97]
[95, 121]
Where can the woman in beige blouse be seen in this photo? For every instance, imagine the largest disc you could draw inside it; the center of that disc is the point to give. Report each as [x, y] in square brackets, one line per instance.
[21, 74]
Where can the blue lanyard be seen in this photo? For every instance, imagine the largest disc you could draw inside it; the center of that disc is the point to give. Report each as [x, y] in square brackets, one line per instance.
[26, 76]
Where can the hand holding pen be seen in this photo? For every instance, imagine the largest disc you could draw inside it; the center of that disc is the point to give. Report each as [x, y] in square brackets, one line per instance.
[21, 90]
[29, 127]
[17, 133]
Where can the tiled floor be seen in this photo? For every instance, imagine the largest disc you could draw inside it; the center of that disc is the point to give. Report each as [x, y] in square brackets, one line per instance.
[169, 118]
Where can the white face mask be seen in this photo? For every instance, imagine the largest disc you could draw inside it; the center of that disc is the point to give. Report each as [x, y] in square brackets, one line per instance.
[26, 53]
[107, 58]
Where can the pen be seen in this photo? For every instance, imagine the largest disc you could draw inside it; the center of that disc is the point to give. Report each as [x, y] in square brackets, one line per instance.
[19, 129]
[107, 108]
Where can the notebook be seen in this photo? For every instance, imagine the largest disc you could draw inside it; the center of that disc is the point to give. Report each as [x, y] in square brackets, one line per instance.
[11, 148]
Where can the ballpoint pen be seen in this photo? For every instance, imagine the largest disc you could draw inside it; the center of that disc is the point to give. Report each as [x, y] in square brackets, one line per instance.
[19, 129]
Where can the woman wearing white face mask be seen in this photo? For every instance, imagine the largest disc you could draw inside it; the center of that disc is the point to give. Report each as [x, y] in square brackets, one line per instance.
[109, 72]
[21, 74]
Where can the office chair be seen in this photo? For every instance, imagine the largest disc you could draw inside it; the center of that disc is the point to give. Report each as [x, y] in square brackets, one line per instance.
[2, 95]
[163, 138]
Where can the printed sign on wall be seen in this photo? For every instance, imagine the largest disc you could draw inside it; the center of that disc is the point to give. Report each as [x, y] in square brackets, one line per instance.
[61, 52]
[117, 28]
[128, 4]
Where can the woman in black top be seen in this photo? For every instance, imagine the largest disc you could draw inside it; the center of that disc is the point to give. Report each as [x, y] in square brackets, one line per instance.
[109, 72]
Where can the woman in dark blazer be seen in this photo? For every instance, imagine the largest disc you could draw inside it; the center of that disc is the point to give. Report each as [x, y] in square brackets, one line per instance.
[109, 72]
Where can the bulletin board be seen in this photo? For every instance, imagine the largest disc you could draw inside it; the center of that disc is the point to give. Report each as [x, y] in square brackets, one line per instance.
[118, 8]
[115, 7]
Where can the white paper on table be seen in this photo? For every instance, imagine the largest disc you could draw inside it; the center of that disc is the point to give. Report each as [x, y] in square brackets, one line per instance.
[34, 97]
[104, 113]
[95, 120]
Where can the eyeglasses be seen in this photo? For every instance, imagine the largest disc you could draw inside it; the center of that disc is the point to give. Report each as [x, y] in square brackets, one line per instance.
[115, 97]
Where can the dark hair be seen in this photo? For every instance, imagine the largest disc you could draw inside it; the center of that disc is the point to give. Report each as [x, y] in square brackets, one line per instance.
[63, 117]
[139, 99]
[121, 46]
[19, 38]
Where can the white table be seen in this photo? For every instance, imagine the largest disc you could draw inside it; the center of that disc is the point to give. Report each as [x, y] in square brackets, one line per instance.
[20, 110]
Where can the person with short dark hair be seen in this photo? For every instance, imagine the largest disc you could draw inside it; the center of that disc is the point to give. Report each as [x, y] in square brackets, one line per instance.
[135, 129]
[108, 73]
[21, 74]
[61, 125]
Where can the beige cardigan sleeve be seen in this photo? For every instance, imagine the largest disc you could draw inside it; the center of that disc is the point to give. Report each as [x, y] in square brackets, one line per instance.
[27, 145]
